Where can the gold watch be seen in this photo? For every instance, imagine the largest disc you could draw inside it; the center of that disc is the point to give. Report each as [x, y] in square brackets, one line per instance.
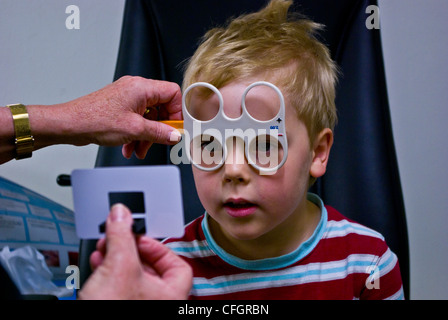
[24, 139]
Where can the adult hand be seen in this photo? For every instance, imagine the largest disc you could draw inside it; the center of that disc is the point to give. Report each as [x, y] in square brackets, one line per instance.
[126, 267]
[112, 116]
[116, 114]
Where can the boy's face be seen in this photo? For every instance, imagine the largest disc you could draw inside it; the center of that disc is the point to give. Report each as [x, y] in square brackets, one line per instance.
[245, 204]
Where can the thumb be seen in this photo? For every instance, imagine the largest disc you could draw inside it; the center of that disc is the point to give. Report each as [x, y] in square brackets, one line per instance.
[160, 133]
[120, 241]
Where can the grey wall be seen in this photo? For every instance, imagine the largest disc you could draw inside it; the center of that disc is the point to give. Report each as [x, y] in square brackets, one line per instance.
[43, 62]
[414, 34]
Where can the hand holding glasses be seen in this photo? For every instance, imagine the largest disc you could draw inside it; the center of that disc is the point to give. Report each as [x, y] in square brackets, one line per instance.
[210, 136]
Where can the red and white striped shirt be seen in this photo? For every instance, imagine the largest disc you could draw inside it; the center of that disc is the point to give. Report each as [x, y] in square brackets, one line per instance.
[341, 260]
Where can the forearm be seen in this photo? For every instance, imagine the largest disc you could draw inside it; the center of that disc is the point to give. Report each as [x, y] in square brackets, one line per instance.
[114, 115]
[57, 124]
[49, 125]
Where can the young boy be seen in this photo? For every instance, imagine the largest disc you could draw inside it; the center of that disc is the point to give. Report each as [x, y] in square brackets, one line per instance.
[264, 236]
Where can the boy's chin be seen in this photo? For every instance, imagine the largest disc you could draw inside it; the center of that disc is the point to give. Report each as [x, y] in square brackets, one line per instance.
[239, 231]
[242, 234]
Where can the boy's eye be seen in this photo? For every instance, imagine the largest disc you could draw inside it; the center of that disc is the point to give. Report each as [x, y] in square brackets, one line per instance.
[206, 151]
[208, 145]
[265, 151]
[263, 146]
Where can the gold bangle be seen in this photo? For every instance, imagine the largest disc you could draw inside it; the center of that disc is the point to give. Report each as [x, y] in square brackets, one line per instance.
[24, 139]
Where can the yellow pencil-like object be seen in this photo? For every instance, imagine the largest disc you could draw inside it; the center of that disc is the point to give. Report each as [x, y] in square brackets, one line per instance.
[177, 124]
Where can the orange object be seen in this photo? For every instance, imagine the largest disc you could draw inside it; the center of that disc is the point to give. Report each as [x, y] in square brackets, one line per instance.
[177, 124]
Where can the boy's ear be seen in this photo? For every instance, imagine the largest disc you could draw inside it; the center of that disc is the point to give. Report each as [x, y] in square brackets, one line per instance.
[321, 152]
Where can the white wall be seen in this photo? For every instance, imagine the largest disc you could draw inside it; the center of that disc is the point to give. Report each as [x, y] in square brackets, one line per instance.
[414, 34]
[43, 62]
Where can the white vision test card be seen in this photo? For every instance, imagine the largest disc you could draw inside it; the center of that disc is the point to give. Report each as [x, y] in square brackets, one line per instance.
[152, 193]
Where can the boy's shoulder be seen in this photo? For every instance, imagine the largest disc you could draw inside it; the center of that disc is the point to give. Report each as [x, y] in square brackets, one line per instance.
[192, 245]
[365, 250]
[337, 222]
[192, 232]
[347, 233]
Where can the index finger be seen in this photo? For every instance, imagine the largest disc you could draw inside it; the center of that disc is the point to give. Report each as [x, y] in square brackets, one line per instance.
[166, 263]
[165, 94]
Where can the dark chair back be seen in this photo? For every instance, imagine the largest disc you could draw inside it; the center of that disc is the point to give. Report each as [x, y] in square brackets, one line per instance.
[362, 179]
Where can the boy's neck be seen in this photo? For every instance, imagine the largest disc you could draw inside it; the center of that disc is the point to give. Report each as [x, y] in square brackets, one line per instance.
[282, 240]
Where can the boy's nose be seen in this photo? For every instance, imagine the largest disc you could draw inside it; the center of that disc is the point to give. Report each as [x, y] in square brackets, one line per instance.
[236, 168]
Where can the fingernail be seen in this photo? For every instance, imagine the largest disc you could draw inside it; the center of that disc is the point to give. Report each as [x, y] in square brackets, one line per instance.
[118, 212]
[174, 136]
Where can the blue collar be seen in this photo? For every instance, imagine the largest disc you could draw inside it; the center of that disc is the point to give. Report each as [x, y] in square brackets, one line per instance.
[277, 262]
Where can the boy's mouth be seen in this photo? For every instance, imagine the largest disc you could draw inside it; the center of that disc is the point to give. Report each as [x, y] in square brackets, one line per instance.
[239, 208]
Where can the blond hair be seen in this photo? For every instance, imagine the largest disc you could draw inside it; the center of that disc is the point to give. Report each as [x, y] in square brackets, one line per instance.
[278, 44]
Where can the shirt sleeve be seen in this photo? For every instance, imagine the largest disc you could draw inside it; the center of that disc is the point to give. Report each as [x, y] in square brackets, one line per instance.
[383, 278]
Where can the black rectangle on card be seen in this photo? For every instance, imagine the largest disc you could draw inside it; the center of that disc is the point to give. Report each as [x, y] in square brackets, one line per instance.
[135, 201]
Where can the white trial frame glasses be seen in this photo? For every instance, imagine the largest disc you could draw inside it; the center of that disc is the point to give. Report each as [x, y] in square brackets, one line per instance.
[252, 131]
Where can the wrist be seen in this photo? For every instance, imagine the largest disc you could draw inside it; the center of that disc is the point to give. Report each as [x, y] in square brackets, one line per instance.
[53, 124]
[23, 137]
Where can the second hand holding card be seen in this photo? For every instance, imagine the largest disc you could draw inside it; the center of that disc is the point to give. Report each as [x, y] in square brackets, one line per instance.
[152, 193]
